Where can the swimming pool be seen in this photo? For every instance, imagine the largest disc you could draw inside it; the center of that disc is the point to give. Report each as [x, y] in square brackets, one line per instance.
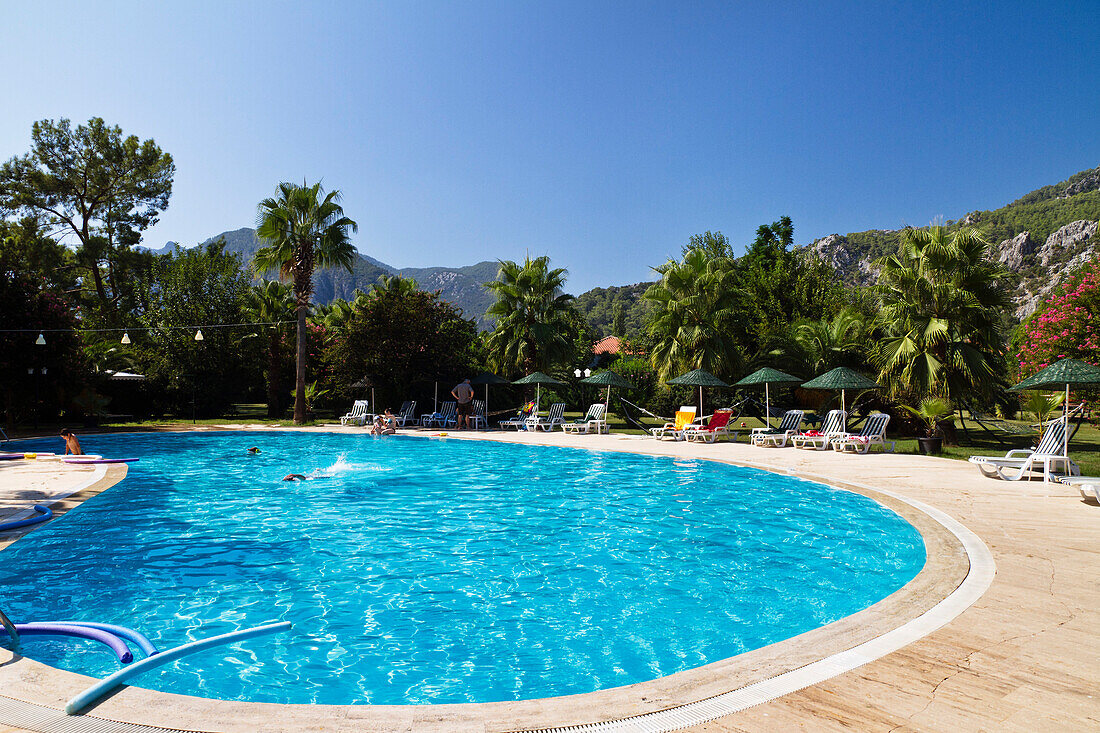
[437, 571]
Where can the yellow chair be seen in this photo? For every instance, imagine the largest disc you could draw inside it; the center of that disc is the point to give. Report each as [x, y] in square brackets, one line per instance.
[684, 416]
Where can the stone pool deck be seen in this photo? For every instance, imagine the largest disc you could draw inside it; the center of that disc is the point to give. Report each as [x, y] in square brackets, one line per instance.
[1024, 657]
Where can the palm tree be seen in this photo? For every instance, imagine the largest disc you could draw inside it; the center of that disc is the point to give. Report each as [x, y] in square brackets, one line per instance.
[940, 300]
[829, 343]
[303, 228]
[695, 305]
[272, 302]
[395, 285]
[532, 316]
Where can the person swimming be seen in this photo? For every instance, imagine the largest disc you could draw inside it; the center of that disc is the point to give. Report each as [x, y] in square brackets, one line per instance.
[295, 477]
[253, 450]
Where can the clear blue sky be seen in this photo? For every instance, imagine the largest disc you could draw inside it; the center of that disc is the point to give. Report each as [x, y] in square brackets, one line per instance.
[602, 134]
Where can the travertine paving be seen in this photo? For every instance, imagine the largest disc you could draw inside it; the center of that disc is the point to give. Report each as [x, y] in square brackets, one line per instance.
[1025, 656]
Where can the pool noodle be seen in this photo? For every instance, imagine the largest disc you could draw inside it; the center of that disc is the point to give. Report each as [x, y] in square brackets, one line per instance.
[117, 645]
[138, 638]
[110, 682]
[44, 513]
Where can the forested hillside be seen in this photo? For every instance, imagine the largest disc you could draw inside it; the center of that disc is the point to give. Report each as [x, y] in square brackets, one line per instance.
[600, 306]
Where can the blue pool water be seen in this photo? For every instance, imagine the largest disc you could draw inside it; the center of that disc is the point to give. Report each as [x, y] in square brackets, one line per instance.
[432, 571]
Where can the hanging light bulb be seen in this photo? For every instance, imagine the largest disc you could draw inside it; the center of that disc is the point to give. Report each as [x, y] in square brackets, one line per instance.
[125, 338]
[198, 335]
[577, 373]
[41, 340]
[588, 372]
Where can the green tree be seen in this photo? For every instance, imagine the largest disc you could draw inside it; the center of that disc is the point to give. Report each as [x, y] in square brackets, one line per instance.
[399, 337]
[712, 244]
[272, 302]
[303, 228]
[532, 329]
[694, 313]
[618, 326]
[197, 286]
[26, 249]
[92, 182]
[779, 286]
[940, 301]
[828, 343]
[25, 302]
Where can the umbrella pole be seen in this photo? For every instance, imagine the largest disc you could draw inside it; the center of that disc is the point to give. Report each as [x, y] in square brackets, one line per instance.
[435, 398]
[373, 405]
[607, 402]
[700, 400]
[767, 407]
[486, 406]
[1065, 425]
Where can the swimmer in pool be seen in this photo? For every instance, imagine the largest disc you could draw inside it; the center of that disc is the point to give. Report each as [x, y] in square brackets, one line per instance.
[294, 477]
[253, 450]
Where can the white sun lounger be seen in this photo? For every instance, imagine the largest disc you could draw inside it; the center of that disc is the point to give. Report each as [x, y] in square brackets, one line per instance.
[358, 414]
[777, 437]
[832, 428]
[1047, 458]
[536, 423]
[593, 421]
[873, 433]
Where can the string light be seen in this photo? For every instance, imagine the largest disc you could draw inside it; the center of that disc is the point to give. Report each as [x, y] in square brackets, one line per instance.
[41, 340]
[125, 338]
[198, 335]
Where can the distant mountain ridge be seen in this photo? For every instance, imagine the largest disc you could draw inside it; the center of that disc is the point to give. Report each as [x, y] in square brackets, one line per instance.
[460, 286]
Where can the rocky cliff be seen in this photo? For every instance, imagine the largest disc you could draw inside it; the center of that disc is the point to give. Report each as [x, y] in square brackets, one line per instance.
[1041, 237]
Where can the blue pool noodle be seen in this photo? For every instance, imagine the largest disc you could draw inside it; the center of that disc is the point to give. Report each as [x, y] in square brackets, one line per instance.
[117, 645]
[44, 513]
[138, 638]
[112, 681]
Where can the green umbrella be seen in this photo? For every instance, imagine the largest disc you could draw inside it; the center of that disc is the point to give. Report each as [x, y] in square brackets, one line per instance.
[767, 376]
[841, 378]
[698, 378]
[1067, 373]
[538, 379]
[488, 378]
[610, 379]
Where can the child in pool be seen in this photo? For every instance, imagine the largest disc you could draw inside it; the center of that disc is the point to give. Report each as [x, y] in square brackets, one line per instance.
[72, 445]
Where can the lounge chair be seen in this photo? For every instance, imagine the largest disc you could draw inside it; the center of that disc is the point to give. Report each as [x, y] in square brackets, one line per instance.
[557, 411]
[788, 426]
[407, 415]
[477, 419]
[1047, 457]
[441, 419]
[1089, 486]
[684, 416]
[873, 433]
[717, 425]
[593, 421]
[833, 427]
[519, 422]
[358, 414]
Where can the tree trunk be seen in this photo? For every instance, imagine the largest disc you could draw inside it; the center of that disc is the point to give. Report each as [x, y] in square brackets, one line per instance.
[273, 368]
[300, 380]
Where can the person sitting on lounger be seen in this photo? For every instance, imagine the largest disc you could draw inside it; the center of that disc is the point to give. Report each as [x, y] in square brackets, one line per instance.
[72, 445]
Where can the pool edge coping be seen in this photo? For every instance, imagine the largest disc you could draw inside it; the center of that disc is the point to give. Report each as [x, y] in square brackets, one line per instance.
[666, 715]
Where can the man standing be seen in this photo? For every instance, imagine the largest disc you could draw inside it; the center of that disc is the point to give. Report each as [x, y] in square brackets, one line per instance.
[464, 395]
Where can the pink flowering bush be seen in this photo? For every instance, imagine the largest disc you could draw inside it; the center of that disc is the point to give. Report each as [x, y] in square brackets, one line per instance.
[1067, 325]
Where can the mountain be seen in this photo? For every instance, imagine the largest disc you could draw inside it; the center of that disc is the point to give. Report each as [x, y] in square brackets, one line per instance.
[460, 286]
[1041, 237]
